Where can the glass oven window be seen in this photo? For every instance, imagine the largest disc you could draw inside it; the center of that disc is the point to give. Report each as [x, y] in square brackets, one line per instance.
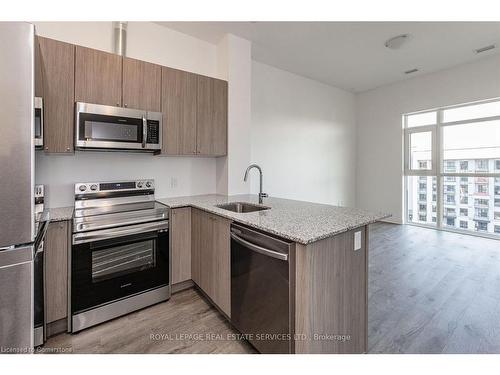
[124, 259]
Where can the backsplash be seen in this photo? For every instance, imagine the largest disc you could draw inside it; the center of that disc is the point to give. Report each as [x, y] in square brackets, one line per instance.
[174, 176]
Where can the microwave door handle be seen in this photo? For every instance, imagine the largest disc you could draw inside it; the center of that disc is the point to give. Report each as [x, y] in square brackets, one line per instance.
[144, 131]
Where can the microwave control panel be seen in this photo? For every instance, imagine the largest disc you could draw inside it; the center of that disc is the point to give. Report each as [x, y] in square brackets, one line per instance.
[153, 132]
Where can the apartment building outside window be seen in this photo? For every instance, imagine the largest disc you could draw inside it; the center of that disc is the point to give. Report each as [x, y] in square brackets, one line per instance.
[452, 166]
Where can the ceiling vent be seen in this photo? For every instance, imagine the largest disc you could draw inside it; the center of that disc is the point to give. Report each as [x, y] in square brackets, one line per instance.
[120, 37]
[484, 49]
[397, 41]
[414, 70]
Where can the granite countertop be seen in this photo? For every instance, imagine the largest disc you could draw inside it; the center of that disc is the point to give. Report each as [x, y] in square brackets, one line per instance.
[299, 221]
[61, 213]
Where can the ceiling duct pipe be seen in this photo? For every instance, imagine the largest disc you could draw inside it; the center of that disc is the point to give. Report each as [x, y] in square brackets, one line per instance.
[120, 35]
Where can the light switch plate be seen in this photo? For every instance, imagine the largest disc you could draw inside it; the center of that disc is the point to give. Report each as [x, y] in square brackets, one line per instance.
[357, 240]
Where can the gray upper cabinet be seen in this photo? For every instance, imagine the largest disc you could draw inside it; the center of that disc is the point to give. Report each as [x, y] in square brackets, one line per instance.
[194, 114]
[56, 84]
[211, 136]
[194, 107]
[141, 85]
[179, 112]
[98, 77]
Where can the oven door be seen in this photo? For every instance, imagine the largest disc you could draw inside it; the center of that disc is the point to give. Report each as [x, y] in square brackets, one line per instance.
[108, 268]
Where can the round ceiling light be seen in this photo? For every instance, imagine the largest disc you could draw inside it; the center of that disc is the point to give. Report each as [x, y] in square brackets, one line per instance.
[397, 41]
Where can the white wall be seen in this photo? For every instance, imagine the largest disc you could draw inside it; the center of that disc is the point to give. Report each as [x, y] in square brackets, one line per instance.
[234, 58]
[150, 42]
[380, 142]
[303, 137]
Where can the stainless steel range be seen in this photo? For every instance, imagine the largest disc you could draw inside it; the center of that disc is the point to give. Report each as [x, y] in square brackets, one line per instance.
[120, 251]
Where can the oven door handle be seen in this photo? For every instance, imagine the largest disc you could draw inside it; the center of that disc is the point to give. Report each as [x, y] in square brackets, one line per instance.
[259, 249]
[105, 234]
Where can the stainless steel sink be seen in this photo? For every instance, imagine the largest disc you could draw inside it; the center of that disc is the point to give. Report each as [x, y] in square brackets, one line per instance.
[242, 207]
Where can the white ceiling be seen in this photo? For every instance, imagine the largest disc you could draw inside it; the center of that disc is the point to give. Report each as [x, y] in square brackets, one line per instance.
[352, 55]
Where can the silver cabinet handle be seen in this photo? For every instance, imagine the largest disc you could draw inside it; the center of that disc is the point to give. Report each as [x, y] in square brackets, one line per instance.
[144, 131]
[259, 249]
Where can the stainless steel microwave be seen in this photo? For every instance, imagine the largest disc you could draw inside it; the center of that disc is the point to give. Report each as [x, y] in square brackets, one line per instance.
[38, 122]
[108, 128]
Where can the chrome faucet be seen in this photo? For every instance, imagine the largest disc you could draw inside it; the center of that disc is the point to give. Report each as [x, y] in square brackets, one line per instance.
[261, 194]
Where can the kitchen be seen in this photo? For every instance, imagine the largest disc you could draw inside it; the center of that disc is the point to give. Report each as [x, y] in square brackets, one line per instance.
[121, 248]
[171, 191]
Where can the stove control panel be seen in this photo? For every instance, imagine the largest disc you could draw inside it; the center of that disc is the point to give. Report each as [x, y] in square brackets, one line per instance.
[105, 187]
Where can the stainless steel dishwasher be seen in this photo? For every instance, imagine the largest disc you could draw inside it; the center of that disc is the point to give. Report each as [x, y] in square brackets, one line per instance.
[262, 285]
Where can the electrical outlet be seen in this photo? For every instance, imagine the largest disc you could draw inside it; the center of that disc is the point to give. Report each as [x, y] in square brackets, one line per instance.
[357, 240]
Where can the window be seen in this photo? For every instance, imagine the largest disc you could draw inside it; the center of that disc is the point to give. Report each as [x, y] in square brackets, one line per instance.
[481, 165]
[418, 204]
[420, 150]
[482, 213]
[481, 226]
[421, 119]
[481, 202]
[482, 188]
[458, 149]
[450, 166]
[422, 164]
[497, 228]
[497, 215]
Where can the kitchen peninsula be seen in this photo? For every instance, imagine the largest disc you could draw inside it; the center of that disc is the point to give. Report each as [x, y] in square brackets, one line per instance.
[328, 263]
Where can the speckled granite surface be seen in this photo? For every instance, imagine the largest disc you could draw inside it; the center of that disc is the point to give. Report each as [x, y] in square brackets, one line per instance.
[61, 213]
[299, 221]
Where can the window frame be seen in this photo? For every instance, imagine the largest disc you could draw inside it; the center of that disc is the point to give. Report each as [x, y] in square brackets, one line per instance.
[437, 160]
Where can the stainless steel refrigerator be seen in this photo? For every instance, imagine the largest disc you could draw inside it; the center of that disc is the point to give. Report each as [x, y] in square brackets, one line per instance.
[17, 223]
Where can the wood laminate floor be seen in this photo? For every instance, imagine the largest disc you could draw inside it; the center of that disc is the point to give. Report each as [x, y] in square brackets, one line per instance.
[429, 292]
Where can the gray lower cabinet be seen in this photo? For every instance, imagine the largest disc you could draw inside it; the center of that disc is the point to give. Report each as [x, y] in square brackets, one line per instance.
[56, 271]
[211, 257]
[180, 242]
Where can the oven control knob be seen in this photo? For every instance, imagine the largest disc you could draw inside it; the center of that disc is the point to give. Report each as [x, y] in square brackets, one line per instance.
[93, 187]
[148, 184]
[82, 188]
[139, 185]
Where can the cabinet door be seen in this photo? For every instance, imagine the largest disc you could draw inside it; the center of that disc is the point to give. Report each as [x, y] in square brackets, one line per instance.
[179, 93]
[221, 271]
[180, 222]
[56, 271]
[58, 87]
[38, 70]
[141, 85]
[98, 77]
[211, 116]
[196, 244]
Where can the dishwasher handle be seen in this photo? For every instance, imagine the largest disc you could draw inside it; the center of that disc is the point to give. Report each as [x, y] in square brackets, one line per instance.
[259, 249]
